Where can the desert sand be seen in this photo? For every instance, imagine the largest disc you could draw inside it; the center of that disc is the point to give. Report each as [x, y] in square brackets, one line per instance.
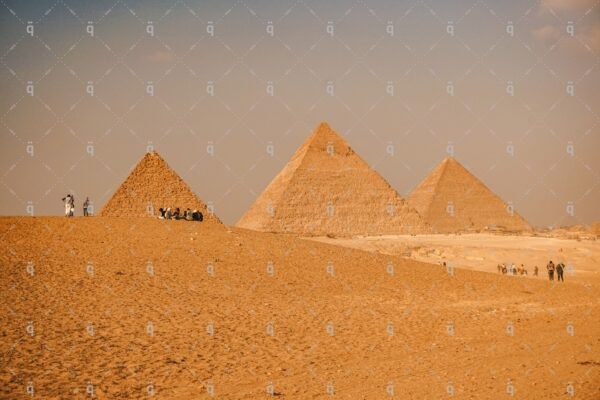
[312, 284]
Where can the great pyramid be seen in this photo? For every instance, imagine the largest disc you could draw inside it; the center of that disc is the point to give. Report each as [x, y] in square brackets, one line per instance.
[153, 182]
[326, 188]
[452, 199]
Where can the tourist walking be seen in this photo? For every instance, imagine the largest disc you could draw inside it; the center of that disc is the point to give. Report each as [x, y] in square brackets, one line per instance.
[550, 268]
[560, 267]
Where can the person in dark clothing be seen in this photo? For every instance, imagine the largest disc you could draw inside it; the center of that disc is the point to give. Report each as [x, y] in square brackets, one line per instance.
[86, 204]
[550, 267]
[559, 272]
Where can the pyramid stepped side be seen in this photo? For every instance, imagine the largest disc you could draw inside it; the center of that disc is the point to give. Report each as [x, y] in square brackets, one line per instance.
[317, 175]
[475, 207]
[152, 181]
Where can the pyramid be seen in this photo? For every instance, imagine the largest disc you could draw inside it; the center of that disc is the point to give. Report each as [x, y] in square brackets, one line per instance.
[327, 189]
[153, 182]
[451, 199]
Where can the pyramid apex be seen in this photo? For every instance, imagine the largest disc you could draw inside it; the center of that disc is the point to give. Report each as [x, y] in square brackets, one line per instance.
[323, 125]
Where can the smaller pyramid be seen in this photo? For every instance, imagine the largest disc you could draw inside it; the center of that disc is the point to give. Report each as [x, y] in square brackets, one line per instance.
[153, 182]
[452, 199]
[326, 188]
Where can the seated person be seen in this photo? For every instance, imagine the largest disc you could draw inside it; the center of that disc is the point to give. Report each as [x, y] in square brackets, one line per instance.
[168, 213]
[188, 215]
[161, 213]
[197, 216]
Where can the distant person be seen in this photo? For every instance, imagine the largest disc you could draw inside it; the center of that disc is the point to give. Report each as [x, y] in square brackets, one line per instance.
[560, 267]
[86, 204]
[67, 201]
[161, 213]
[550, 267]
[177, 213]
[72, 204]
[197, 216]
[168, 214]
[188, 215]
[535, 270]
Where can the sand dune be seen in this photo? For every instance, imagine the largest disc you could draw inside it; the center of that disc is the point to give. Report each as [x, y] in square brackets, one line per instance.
[301, 358]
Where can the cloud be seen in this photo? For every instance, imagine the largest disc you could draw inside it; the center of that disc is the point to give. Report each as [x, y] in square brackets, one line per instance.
[161, 56]
[547, 33]
[569, 4]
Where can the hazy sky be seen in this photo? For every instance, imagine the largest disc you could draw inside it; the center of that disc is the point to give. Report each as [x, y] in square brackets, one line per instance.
[326, 60]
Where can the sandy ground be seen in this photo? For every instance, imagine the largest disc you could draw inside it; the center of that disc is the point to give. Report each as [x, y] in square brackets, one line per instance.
[356, 357]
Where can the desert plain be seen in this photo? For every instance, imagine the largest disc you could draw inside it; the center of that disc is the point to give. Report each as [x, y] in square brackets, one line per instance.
[185, 309]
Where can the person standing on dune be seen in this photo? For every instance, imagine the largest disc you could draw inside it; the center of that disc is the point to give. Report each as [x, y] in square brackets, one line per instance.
[67, 201]
[86, 204]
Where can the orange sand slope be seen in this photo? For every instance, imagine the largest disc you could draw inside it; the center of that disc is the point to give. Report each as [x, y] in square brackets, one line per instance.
[332, 311]
[326, 188]
[452, 199]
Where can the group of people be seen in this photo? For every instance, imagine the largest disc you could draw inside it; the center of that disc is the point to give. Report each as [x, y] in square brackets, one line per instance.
[69, 201]
[514, 270]
[187, 214]
[559, 268]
